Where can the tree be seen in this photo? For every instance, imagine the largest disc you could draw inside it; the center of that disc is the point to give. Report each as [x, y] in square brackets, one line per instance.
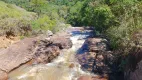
[37, 4]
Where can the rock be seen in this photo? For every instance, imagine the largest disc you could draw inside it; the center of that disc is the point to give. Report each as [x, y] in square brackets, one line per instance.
[49, 33]
[71, 65]
[48, 49]
[97, 44]
[133, 68]
[93, 78]
[62, 42]
[3, 75]
[85, 78]
[87, 60]
[100, 57]
[104, 62]
[46, 54]
[17, 54]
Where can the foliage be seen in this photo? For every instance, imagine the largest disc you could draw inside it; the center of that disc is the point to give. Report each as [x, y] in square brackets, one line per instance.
[101, 17]
[43, 24]
[118, 19]
[14, 20]
[49, 15]
[129, 17]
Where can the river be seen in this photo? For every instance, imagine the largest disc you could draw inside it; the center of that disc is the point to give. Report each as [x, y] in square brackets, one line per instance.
[64, 67]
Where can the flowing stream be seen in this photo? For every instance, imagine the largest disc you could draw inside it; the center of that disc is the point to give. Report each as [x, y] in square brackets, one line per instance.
[64, 67]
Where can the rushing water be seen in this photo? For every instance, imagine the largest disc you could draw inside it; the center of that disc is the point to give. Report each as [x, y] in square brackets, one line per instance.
[64, 67]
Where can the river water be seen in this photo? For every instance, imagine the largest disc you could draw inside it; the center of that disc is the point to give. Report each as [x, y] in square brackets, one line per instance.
[64, 67]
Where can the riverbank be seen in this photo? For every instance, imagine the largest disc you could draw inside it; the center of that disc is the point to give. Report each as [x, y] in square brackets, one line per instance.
[38, 49]
[73, 54]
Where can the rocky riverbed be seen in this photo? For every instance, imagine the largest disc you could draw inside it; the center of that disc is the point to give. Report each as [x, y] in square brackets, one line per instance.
[36, 49]
[75, 54]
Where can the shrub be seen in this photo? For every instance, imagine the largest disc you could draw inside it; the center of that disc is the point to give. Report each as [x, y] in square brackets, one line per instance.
[129, 17]
[102, 18]
[14, 20]
[43, 24]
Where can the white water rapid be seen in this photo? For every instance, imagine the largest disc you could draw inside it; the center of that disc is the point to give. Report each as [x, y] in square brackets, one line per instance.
[64, 67]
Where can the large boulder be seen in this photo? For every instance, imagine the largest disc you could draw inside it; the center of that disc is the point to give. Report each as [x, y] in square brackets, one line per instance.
[97, 44]
[98, 58]
[46, 52]
[62, 42]
[87, 60]
[49, 48]
[17, 54]
[103, 62]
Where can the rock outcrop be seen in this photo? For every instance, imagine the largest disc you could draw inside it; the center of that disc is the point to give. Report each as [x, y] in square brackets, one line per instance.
[133, 70]
[62, 42]
[133, 66]
[49, 49]
[16, 54]
[98, 58]
[46, 52]
[97, 44]
[36, 49]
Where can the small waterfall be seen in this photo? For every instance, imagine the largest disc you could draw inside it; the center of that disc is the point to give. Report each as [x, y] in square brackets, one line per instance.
[64, 67]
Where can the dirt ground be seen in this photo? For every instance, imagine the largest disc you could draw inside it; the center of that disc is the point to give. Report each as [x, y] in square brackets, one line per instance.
[5, 42]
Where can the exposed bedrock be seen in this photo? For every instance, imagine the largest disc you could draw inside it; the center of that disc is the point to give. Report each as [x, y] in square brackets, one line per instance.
[133, 69]
[97, 58]
[35, 49]
[15, 55]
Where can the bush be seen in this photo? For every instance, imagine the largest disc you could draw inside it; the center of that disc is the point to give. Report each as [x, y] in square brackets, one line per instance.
[130, 18]
[102, 18]
[43, 24]
[14, 20]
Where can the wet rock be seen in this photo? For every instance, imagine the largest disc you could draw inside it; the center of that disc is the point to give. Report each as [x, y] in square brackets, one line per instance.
[71, 65]
[85, 78]
[98, 59]
[46, 54]
[93, 78]
[87, 60]
[103, 63]
[3, 75]
[17, 54]
[62, 42]
[48, 49]
[97, 44]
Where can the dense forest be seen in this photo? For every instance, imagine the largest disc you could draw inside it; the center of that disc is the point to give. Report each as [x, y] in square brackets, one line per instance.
[120, 21]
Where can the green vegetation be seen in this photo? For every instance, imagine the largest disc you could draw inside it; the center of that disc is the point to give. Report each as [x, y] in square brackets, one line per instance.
[38, 16]
[118, 20]
[14, 20]
[43, 23]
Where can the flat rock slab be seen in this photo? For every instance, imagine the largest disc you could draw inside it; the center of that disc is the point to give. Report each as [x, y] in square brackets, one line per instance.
[3, 75]
[97, 44]
[16, 54]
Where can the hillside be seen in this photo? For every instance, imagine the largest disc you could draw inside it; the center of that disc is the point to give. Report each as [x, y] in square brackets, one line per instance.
[119, 22]
[14, 20]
